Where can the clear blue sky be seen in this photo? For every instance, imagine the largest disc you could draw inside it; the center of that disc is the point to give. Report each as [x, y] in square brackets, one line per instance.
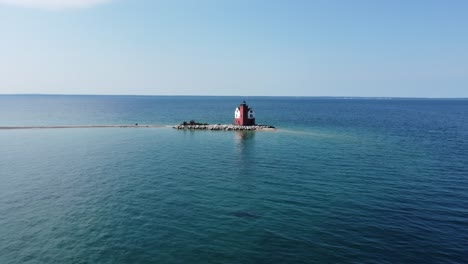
[235, 47]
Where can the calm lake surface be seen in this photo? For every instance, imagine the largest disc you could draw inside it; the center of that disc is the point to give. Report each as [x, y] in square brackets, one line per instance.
[340, 181]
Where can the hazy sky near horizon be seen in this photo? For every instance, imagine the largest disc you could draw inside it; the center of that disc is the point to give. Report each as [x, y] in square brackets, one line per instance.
[235, 47]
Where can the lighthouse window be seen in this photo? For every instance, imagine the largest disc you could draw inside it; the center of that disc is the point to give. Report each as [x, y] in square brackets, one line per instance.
[237, 113]
[251, 114]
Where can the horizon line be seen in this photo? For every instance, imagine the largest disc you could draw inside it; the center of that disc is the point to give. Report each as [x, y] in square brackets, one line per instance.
[190, 95]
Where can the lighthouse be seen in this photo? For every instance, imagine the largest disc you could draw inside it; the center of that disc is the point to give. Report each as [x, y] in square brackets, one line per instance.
[244, 115]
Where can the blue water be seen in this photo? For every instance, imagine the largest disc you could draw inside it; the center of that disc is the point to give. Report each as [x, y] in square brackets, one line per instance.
[340, 181]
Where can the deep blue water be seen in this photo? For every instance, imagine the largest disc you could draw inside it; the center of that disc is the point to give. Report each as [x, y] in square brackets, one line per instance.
[340, 181]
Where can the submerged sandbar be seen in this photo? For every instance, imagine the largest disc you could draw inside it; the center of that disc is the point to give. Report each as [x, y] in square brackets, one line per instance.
[79, 126]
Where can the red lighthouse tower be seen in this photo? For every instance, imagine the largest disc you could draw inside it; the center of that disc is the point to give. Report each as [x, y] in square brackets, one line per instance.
[244, 115]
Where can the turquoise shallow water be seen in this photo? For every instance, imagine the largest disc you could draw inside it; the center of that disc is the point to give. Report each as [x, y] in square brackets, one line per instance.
[347, 181]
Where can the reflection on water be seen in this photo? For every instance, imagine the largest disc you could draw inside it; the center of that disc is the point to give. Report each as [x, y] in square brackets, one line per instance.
[244, 142]
[242, 135]
[244, 139]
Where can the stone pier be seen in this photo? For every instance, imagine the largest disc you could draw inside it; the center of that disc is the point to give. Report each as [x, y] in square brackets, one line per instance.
[226, 127]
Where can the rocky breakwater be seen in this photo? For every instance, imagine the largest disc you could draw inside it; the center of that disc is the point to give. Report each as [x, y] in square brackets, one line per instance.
[223, 127]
